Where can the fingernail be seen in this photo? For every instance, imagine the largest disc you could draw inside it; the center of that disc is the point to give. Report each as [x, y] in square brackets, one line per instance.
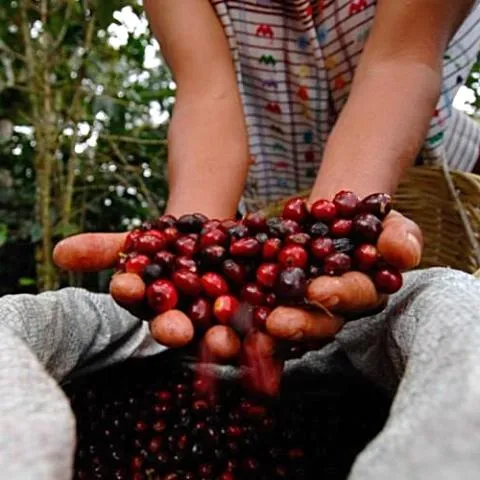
[331, 301]
[416, 246]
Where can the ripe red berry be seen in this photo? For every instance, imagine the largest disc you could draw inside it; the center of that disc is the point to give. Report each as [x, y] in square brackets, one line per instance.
[211, 225]
[366, 257]
[293, 256]
[341, 227]
[346, 203]
[323, 210]
[165, 221]
[171, 234]
[187, 282]
[337, 264]
[151, 242]
[162, 296]
[214, 236]
[131, 241]
[228, 224]
[137, 264]
[245, 247]
[200, 313]
[252, 294]
[255, 222]
[225, 308]
[214, 285]
[226, 476]
[271, 249]
[388, 280]
[186, 263]
[187, 245]
[322, 247]
[295, 209]
[267, 274]
[234, 272]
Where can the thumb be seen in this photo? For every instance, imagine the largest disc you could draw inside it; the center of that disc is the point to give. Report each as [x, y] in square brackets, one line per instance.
[89, 251]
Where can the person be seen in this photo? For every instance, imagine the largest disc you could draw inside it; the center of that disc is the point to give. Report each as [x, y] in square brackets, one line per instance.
[298, 87]
[423, 350]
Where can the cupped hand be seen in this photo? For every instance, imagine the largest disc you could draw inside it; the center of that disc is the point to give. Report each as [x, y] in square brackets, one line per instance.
[350, 295]
[335, 299]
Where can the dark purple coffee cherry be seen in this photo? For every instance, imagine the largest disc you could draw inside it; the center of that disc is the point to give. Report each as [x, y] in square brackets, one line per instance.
[153, 272]
[291, 285]
[318, 229]
[191, 223]
[367, 227]
[379, 204]
[343, 245]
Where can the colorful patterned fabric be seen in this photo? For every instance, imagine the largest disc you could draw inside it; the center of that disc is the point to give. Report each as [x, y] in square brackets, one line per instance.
[295, 61]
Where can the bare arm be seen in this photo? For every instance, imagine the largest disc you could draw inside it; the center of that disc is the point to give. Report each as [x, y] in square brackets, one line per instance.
[208, 148]
[394, 94]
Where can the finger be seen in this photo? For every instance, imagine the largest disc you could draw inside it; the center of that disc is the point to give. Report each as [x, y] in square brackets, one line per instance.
[89, 251]
[172, 329]
[223, 343]
[262, 370]
[297, 325]
[353, 292]
[127, 289]
[401, 242]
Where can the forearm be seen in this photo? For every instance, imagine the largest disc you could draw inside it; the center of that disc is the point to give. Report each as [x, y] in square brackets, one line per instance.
[380, 130]
[208, 152]
[208, 155]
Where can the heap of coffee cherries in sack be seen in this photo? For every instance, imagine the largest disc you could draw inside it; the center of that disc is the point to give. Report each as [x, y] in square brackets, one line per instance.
[227, 276]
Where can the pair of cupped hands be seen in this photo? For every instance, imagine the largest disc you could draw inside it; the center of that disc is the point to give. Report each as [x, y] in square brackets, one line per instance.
[352, 295]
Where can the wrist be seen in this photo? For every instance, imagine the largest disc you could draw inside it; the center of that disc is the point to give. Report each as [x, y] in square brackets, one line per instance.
[181, 204]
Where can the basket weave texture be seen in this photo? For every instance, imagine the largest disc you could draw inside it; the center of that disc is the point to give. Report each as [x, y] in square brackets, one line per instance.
[450, 220]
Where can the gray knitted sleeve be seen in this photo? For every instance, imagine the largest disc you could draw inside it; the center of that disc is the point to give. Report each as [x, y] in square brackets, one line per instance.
[45, 339]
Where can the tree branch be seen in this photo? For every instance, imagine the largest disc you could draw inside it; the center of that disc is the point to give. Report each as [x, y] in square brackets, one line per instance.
[152, 205]
[29, 55]
[5, 48]
[126, 139]
[66, 24]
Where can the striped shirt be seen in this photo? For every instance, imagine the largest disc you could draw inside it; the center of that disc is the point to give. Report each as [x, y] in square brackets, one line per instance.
[295, 61]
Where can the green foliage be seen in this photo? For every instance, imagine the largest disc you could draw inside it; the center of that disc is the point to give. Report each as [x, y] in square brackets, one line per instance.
[85, 154]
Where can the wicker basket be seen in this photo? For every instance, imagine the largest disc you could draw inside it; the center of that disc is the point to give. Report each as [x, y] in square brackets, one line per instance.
[446, 206]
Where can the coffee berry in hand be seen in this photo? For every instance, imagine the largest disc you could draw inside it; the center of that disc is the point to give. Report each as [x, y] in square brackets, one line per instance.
[214, 270]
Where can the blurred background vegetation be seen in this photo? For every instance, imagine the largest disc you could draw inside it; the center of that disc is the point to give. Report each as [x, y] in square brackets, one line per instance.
[84, 107]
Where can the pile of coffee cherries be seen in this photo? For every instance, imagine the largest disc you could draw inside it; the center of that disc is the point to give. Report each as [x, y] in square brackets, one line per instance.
[148, 420]
[210, 269]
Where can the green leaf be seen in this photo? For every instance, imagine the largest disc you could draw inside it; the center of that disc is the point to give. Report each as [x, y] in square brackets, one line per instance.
[3, 234]
[26, 282]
